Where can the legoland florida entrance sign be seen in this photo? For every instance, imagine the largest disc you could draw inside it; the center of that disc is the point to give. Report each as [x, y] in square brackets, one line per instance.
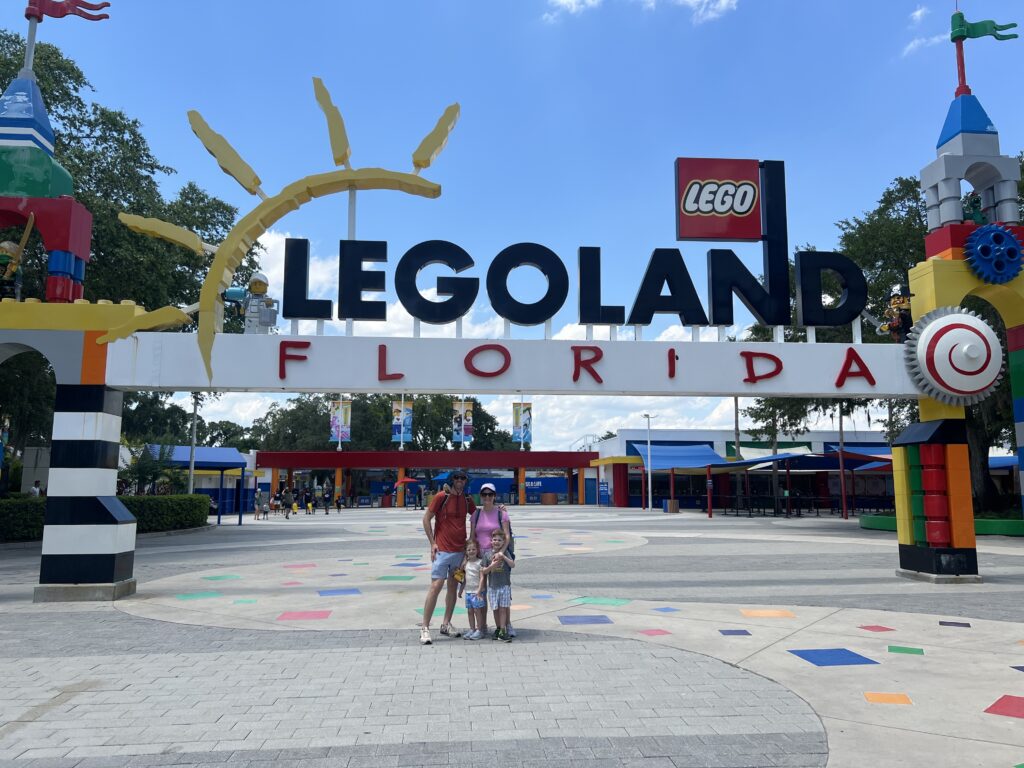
[949, 357]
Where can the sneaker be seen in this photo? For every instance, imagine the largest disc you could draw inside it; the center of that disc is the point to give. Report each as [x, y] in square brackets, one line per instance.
[449, 631]
[425, 638]
[507, 636]
[511, 630]
[501, 634]
[496, 635]
[473, 634]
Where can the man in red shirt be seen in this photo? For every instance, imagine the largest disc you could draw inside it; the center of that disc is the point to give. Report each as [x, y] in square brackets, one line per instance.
[447, 537]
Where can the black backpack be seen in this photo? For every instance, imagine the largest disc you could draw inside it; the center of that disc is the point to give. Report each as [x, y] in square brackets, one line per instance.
[510, 550]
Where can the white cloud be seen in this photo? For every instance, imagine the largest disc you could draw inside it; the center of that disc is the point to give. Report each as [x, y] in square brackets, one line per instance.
[923, 42]
[703, 10]
[918, 14]
[240, 407]
[573, 7]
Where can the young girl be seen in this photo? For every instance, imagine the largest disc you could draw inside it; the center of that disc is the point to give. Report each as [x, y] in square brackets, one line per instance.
[499, 585]
[474, 585]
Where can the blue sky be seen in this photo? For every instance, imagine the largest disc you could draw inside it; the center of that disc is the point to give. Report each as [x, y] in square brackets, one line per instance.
[572, 114]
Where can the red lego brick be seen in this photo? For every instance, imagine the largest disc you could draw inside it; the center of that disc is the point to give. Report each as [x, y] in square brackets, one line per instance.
[933, 455]
[937, 532]
[944, 238]
[63, 222]
[936, 507]
[59, 290]
[933, 480]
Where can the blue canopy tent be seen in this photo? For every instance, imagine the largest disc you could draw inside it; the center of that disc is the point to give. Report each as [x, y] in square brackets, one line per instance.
[216, 459]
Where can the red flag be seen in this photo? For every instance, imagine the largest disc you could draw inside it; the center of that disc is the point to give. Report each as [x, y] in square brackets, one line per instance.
[36, 9]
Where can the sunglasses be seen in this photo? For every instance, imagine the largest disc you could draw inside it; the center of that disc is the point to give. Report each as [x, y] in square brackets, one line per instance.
[487, 493]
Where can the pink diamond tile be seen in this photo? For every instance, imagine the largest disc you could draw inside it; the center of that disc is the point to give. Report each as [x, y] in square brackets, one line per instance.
[1009, 706]
[876, 628]
[301, 565]
[290, 583]
[424, 568]
[303, 615]
[654, 632]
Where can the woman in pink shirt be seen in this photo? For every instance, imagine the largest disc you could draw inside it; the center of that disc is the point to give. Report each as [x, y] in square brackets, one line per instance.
[488, 518]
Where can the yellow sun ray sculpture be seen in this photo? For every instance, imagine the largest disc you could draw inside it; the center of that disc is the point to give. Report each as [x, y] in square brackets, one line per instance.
[229, 254]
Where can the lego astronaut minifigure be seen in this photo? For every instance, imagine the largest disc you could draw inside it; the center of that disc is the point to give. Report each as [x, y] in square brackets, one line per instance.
[258, 309]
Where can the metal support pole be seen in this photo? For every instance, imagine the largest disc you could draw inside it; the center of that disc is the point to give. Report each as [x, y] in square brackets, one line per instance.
[220, 497]
[192, 445]
[842, 467]
[650, 476]
[710, 487]
[240, 502]
[30, 50]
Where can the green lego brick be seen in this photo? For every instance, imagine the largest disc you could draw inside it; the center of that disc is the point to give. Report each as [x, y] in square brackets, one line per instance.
[30, 172]
[917, 505]
[920, 537]
[914, 479]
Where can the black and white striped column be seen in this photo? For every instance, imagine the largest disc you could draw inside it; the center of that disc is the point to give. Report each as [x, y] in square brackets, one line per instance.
[89, 536]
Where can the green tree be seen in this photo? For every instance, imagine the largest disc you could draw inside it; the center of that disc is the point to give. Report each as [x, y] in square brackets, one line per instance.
[147, 417]
[774, 418]
[113, 170]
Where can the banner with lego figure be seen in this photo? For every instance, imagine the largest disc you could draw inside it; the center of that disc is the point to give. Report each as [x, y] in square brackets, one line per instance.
[522, 422]
[401, 421]
[462, 422]
[341, 421]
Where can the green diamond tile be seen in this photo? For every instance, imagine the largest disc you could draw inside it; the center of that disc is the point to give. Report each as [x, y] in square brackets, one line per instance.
[198, 595]
[904, 649]
[395, 578]
[600, 601]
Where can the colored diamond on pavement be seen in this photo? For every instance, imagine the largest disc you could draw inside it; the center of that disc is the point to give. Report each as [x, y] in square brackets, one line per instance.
[904, 649]
[542, 597]
[198, 595]
[334, 592]
[666, 609]
[303, 615]
[599, 619]
[223, 577]
[654, 632]
[248, 601]
[395, 578]
[339, 574]
[407, 565]
[291, 583]
[301, 565]
[954, 624]
[887, 698]
[520, 607]
[733, 632]
[1008, 706]
[876, 628]
[767, 613]
[832, 657]
[600, 601]
[407, 557]
[1019, 669]
[439, 611]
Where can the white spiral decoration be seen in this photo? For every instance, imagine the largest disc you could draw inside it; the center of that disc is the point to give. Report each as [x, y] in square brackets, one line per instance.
[954, 356]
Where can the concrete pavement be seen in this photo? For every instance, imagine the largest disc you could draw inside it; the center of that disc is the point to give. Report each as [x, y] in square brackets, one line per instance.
[645, 639]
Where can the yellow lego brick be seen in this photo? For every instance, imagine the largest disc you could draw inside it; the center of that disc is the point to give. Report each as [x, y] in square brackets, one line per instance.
[66, 317]
[901, 485]
[950, 254]
[933, 410]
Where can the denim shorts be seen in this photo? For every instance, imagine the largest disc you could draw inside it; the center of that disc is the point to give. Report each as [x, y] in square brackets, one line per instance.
[475, 601]
[445, 564]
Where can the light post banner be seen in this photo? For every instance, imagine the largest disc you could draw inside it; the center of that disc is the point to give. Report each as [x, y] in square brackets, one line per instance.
[341, 421]
[522, 422]
[462, 422]
[401, 421]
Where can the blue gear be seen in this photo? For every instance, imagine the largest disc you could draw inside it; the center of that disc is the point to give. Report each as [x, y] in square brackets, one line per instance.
[993, 254]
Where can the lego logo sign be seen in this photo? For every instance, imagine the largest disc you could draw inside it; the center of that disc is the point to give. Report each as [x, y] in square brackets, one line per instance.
[718, 199]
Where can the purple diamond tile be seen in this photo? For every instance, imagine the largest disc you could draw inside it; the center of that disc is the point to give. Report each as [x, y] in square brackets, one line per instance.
[595, 619]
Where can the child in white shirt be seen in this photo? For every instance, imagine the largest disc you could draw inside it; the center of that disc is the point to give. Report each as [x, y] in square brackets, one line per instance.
[474, 583]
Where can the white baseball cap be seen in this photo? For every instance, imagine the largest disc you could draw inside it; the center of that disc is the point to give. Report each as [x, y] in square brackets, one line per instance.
[488, 487]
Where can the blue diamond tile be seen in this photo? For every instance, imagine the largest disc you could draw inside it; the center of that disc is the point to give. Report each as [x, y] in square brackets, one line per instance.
[1019, 669]
[334, 592]
[542, 597]
[729, 632]
[339, 574]
[666, 609]
[407, 564]
[954, 624]
[596, 619]
[832, 657]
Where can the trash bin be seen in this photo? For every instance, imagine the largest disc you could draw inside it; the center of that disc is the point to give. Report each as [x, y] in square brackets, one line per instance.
[670, 505]
[549, 499]
[385, 500]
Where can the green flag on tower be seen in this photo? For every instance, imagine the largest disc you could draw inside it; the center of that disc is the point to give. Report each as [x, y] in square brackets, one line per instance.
[961, 29]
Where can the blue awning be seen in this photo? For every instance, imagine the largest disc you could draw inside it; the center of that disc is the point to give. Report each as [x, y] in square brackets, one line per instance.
[206, 458]
[694, 458]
